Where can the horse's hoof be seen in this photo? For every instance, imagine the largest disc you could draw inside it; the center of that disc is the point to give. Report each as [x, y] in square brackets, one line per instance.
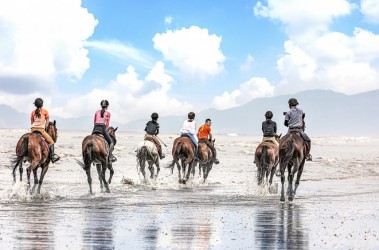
[282, 199]
[108, 191]
[290, 198]
[184, 182]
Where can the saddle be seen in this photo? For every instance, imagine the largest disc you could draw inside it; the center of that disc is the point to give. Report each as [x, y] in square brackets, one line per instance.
[190, 139]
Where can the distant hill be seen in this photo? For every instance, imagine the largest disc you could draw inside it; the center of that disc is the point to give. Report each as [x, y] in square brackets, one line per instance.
[327, 114]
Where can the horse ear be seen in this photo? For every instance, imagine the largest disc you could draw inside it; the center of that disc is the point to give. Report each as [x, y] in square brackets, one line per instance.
[55, 122]
[280, 135]
[115, 129]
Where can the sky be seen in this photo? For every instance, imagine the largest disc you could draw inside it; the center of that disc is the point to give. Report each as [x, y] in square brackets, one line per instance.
[173, 57]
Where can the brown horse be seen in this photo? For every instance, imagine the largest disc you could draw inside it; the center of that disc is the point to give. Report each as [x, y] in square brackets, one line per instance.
[266, 159]
[32, 148]
[205, 161]
[183, 150]
[95, 149]
[291, 156]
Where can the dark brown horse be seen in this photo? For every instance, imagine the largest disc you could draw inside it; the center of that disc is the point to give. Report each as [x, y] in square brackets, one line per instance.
[266, 159]
[291, 156]
[32, 148]
[205, 156]
[95, 149]
[183, 150]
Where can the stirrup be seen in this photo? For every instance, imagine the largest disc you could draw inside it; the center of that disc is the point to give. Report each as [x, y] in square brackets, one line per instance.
[112, 158]
[308, 157]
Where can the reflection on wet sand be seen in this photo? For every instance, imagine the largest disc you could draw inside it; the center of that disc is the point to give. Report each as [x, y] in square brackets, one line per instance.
[280, 228]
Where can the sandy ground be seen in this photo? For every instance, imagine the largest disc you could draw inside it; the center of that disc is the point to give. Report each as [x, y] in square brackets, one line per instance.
[336, 207]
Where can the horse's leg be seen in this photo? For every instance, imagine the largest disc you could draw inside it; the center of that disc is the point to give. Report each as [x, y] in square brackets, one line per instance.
[104, 168]
[205, 172]
[282, 179]
[28, 171]
[111, 172]
[290, 180]
[89, 178]
[200, 170]
[151, 169]
[142, 164]
[98, 168]
[184, 169]
[35, 180]
[179, 171]
[158, 168]
[43, 172]
[190, 167]
[272, 174]
[21, 169]
[300, 171]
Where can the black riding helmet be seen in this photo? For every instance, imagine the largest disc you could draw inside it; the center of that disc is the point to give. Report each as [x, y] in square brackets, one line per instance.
[154, 115]
[191, 115]
[38, 102]
[293, 102]
[104, 103]
[269, 114]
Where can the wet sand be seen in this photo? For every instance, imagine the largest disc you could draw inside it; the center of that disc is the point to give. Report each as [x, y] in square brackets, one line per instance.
[336, 206]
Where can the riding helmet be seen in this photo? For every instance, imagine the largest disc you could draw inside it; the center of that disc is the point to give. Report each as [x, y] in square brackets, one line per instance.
[154, 115]
[38, 102]
[269, 114]
[191, 115]
[104, 103]
[293, 102]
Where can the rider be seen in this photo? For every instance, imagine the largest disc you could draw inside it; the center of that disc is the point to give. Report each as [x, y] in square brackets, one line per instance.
[204, 135]
[189, 129]
[294, 122]
[101, 124]
[40, 120]
[152, 130]
[269, 129]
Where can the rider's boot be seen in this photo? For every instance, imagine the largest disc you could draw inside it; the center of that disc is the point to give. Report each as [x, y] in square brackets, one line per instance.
[195, 154]
[214, 159]
[111, 156]
[308, 156]
[53, 156]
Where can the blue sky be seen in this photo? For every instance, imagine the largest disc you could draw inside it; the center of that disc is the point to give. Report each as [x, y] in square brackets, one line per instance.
[173, 57]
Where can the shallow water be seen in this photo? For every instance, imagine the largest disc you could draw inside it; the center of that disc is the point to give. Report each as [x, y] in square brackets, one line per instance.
[336, 206]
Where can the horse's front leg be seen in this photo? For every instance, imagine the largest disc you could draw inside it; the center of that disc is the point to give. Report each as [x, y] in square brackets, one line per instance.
[272, 174]
[21, 169]
[111, 172]
[43, 172]
[98, 168]
[28, 172]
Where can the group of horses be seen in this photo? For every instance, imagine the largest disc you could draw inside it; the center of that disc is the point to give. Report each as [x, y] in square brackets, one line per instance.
[289, 155]
[32, 148]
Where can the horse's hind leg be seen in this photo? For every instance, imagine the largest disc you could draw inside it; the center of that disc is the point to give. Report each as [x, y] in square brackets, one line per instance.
[89, 178]
[300, 171]
[151, 169]
[282, 179]
[111, 172]
[104, 168]
[98, 168]
[21, 169]
[35, 180]
[158, 168]
[290, 180]
[43, 172]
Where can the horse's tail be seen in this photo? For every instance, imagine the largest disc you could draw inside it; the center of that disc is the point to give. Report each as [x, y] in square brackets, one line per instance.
[24, 151]
[87, 157]
[286, 153]
[175, 153]
[263, 160]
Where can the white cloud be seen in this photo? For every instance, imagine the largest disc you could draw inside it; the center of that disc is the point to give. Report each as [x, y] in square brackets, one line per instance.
[304, 17]
[42, 39]
[253, 88]
[370, 9]
[248, 64]
[168, 19]
[194, 51]
[127, 101]
[316, 57]
[124, 52]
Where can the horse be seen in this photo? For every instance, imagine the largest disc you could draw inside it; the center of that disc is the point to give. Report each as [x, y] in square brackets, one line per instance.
[95, 149]
[148, 152]
[33, 148]
[205, 156]
[266, 159]
[292, 150]
[183, 150]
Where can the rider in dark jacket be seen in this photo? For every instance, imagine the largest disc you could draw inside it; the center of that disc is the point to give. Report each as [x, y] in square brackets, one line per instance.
[269, 129]
[294, 121]
[152, 130]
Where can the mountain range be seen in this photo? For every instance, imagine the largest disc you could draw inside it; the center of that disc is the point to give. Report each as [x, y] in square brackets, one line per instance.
[327, 113]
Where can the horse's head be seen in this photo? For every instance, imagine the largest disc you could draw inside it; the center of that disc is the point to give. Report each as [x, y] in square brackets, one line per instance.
[52, 130]
[112, 132]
